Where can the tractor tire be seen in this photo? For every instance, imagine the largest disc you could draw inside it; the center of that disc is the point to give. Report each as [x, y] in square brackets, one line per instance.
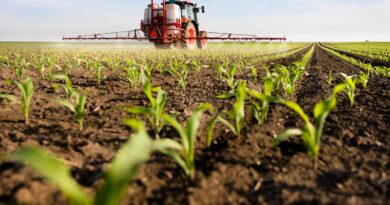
[162, 45]
[188, 31]
[202, 43]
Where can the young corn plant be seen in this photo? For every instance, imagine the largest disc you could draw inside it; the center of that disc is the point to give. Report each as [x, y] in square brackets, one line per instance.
[122, 170]
[253, 70]
[260, 100]
[26, 87]
[4, 61]
[98, 70]
[68, 86]
[311, 133]
[286, 80]
[132, 73]
[20, 66]
[229, 76]
[221, 69]
[196, 65]
[77, 106]
[330, 78]
[41, 67]
[145, 73]
[182, 83]
[132, 76]
[173, 67]
[350, 82]
[236, 115]
[148, 69]
[51, 63]
[155, 112]
[185, 156]
[364, 78]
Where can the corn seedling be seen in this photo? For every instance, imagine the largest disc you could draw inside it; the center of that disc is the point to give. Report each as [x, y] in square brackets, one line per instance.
[68, 86]
[155, 112]
[350, 82]
[20, 66]
[311, 133]
[148, 69]
[132, 76]
[260, 100]
[330, 78]
[132, 73]
[186, 157]
[236, 115]
[26, 88]
[253, 70]
[41, 67]
[228, 75]
[120, 173]
[182, 75]
[4, 61]
[77, 106]
[112, 63]
[364, 78]
[286, 79]
[98, 70]
[196, 65]
[51, 62]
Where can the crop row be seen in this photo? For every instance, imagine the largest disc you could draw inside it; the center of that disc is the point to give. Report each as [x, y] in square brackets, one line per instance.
[375, 51]
[377, 70]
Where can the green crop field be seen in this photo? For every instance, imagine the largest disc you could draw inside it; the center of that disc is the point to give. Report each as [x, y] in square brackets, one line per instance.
[237, 123]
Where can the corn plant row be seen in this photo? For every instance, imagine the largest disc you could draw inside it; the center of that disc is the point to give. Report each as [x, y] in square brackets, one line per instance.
[137, 67]
[121, 171]
[377, 70]
[75, 101]
[376, 51]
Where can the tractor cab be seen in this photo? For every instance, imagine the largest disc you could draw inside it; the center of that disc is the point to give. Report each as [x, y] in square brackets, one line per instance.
[174, 22]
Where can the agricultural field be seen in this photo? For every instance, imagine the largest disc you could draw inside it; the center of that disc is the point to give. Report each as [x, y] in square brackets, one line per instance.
[238, 123]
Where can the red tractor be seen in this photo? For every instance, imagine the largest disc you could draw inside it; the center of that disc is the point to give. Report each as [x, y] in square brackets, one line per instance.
[174, 22]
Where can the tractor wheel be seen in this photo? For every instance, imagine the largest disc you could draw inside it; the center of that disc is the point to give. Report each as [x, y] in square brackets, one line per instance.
[162, 45]
[202, 43]
[188, 31]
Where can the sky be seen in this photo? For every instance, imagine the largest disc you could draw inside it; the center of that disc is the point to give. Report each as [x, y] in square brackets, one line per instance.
[298, 20]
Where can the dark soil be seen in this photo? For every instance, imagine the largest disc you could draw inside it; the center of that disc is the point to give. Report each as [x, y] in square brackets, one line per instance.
[353, 166]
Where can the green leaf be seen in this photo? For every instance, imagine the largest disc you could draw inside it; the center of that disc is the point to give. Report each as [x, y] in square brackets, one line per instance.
[226, 95]
[193, 125]
[182, 132]
[339, 88]
[324, 106]
[232, 70]
[227, 124]
[80, 107]
[148, 93]
[285, 136]
[163, 145]
[125, 165]
[54, 170]
[268, 86]
[10, 98]
[210, 129]
[138, 110]
[298, 109]
[66, 104]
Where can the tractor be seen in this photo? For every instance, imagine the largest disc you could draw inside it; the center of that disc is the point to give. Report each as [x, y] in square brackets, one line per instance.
[174, 23]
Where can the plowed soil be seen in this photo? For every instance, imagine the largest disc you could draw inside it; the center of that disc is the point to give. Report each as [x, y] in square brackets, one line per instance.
[353, 165]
